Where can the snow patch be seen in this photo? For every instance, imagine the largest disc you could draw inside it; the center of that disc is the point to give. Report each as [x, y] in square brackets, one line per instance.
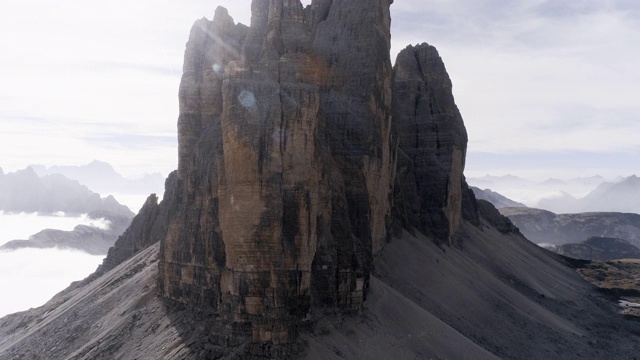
[628, 304]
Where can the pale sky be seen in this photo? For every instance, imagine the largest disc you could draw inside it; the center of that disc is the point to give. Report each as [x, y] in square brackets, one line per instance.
[546, 88]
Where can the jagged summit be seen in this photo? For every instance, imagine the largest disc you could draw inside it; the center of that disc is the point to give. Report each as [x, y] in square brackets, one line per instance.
[288, 156]
[305, 159]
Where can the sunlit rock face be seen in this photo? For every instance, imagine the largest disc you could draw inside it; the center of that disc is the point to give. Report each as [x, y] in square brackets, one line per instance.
[285, 165]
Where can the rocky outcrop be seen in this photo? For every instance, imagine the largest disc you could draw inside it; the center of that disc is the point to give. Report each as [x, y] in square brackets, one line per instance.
[432, 143]
[620, 196]
[146, 228]
[94, 239]
[545, 227]
[495, 219]
[498, 200]
[599, 248]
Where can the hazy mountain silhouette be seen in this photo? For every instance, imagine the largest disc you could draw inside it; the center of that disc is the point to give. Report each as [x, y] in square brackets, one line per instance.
[25, 191]
[546, 227]
[620, 196]
[101, 177]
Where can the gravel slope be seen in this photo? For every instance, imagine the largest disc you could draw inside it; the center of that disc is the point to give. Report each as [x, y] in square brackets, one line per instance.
[488, 296]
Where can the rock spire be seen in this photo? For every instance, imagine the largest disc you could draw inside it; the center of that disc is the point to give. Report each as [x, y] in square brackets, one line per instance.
[299, 148]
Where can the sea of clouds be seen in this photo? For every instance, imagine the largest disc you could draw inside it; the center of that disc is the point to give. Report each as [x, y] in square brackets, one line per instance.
[30, 277]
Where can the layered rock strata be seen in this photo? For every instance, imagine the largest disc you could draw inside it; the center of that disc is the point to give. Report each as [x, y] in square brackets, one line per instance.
[285, 165]
[299, 149]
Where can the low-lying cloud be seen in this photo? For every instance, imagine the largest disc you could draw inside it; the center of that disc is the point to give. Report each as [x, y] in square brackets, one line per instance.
[30, 277]
[21, 226]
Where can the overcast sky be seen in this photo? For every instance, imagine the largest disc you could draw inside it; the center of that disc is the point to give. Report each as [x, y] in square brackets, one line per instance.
[546, 88]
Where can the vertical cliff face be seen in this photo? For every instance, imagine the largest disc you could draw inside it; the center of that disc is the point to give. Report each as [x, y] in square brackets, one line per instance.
[432, 143]
[285, 165]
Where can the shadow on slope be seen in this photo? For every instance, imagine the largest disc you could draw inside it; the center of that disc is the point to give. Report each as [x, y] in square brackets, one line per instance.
[501, 292]
[490, 295]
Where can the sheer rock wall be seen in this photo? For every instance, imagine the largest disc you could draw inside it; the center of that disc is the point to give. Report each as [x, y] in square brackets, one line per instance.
[432, 143]
[285, 165]
[299, 148]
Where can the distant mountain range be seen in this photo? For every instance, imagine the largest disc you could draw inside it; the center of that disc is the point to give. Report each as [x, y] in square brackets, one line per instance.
[590, 194]
[94, 240]
[101, 177]
[599, 248]
[621, 196]
[25, 191]
[546, 227]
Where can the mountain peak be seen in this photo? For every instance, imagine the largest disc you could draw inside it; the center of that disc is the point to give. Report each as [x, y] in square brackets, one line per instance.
[302, 152]
[101, 165]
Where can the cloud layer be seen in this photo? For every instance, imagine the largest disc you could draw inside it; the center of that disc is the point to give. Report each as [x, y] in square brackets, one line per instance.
[30, 277]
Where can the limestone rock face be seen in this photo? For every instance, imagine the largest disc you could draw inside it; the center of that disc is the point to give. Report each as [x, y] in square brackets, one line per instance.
[432, 143]
[285, 169]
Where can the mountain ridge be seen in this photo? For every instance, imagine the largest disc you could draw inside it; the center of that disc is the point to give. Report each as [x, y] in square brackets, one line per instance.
[546, 227]
[102, 177]
[92, 239]
[25, 191]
